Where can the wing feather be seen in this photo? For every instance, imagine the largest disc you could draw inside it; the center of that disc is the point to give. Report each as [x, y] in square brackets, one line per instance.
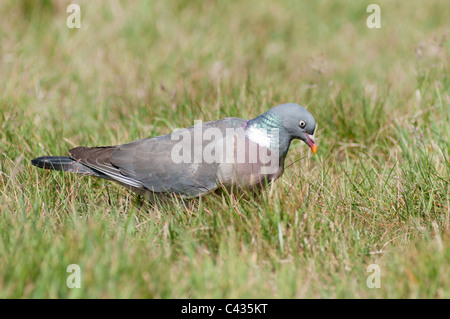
[147, 163]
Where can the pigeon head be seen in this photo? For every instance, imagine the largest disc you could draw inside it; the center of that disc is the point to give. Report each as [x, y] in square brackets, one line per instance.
[293, 122]
[297, 122]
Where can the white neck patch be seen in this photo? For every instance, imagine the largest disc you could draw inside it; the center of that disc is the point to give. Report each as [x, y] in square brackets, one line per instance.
[259, 136]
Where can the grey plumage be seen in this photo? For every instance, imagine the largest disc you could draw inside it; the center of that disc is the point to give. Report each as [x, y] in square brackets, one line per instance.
[148, 166]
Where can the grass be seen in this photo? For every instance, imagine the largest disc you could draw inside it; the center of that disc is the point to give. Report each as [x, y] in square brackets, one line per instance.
[377, 192]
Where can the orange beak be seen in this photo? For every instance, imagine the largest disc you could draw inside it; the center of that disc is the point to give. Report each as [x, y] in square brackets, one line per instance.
[311, 143]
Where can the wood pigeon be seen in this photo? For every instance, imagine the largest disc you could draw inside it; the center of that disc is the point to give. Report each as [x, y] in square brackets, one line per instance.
[197, 160]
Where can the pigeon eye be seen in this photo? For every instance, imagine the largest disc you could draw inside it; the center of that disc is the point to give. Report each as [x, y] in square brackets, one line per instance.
[302, 124]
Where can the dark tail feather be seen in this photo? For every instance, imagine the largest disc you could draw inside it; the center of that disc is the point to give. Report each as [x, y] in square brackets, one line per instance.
[66, 164]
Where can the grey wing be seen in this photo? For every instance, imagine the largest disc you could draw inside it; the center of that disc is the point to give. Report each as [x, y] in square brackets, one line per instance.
[151, 161]
[98, 159]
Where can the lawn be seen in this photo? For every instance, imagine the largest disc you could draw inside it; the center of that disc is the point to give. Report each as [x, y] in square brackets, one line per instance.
[376, 193]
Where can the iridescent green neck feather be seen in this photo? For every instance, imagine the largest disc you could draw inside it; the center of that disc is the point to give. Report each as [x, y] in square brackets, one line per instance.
[267, 130]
